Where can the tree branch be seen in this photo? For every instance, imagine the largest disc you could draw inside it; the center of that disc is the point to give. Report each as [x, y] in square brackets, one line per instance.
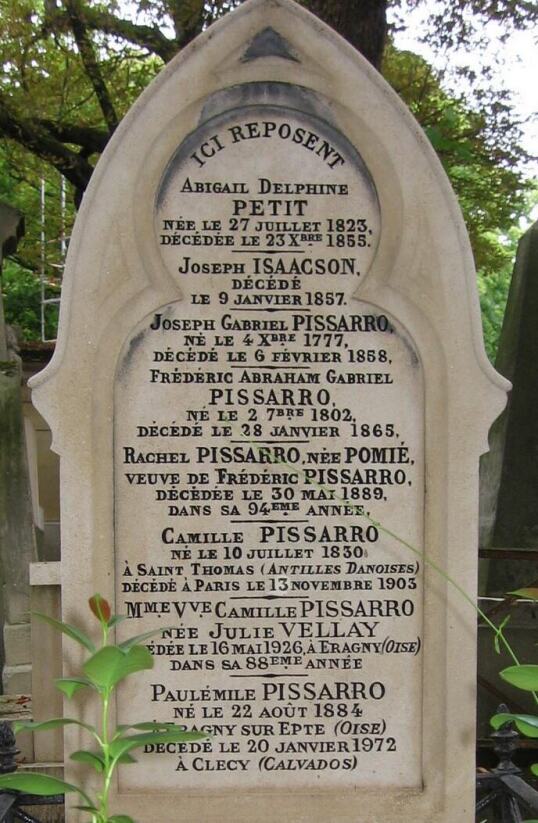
[91, 140]
[189, 17]
[24, 263]
[35, 137]
[75, 11]
[148, 37]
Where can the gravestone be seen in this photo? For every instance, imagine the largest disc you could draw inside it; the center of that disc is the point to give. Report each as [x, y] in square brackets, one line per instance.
[17, 539]
[508, 473]
[269, 396]
[17, 534]
[508, 478]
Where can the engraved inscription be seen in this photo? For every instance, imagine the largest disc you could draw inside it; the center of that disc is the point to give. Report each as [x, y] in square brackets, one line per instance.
[268, 438]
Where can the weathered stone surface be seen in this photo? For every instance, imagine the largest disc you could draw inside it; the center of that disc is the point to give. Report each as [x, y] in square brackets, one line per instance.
[46, 665]
[508, 480]
[16, 521]
[509, 474]
[17, 540]
[17, 643]
[18, 679]
[269, 318]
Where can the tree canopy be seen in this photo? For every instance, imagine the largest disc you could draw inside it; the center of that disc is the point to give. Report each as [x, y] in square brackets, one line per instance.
[72, 68]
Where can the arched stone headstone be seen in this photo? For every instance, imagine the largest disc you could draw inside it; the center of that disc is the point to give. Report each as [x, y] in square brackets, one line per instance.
[269, 364]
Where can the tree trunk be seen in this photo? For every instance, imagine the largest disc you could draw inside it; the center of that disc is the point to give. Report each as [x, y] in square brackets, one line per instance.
[362, 22]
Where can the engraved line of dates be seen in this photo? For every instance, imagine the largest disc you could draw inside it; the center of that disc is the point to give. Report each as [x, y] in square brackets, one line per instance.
[268, 652]
[309, 639]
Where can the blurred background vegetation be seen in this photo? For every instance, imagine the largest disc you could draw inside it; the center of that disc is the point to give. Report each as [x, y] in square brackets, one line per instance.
[72, 69]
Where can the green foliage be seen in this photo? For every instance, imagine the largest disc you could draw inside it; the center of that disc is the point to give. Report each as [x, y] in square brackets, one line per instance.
[524, 677]
[494, 283]
[527, 724]
[40, 784]
[480, 162]
[452, 23]
[58, 111]
[71, 631]
[20, 183]
[22, 300]
[45, 725]
[529, 593]
[479, 147]
[107, 666]
[493, 292]
[71, 685]
[54, 124]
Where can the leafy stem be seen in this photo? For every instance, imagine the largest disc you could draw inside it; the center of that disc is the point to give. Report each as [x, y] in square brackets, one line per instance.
[497, 630]
[107, 666]
[106, 753]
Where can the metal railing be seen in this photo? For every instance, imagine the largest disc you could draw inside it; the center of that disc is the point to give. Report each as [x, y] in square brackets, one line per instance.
[501, 793]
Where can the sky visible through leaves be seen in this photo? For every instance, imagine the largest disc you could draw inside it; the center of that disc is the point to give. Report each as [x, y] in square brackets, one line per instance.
[513, 64]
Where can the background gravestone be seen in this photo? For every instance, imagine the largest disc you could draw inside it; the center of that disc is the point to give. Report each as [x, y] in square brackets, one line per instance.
[509, 482]
[510, 474]
[17, 535]
[269, 369]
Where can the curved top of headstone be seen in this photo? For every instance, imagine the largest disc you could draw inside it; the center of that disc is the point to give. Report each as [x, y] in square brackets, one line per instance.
[422, 271]
[268, 43]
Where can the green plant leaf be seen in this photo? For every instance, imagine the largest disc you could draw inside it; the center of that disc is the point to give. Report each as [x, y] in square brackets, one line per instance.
[139, 638]
[70, 685]
[34, 783]
[111, 664]
[91, 809]
[100, 608]
[523, 677]
[120, 818]
[91, 758]
[527, 724]
[115, 619]
[126, 744]
[71, 631]
[498, 633]
[148, 727]
[32, 726]
[126, 758]
[530, 593]
[534, 769]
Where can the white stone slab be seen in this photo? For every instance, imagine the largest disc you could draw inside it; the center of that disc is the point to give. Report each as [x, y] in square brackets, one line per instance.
[46, 574]
[270, 281]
